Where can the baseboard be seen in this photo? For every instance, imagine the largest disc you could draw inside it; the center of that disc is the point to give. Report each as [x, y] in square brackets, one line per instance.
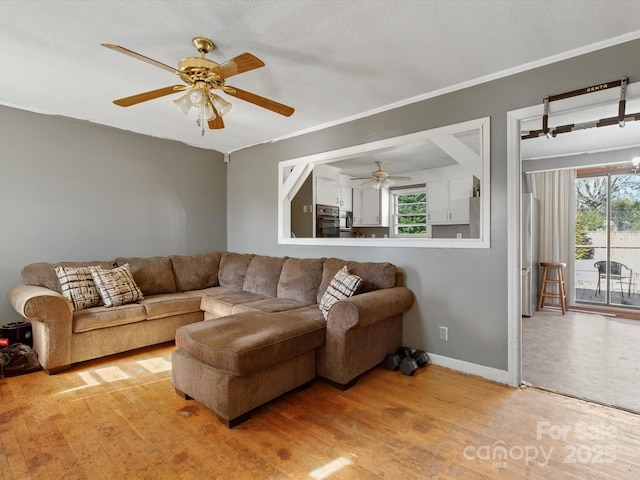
[490, 373]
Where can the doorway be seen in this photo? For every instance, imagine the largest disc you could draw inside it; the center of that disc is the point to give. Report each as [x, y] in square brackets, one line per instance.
[517, 325]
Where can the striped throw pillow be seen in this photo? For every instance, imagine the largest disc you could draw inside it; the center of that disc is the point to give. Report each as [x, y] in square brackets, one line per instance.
[342, 285]
[78, 287]
[116, 286]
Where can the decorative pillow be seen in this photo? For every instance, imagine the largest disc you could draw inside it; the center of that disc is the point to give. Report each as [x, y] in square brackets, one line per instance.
[116, 286]
[78, 286]
[343, 285]
[375, 275]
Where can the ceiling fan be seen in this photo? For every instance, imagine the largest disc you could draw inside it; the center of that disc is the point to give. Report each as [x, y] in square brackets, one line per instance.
[202, 78]
[381, 178]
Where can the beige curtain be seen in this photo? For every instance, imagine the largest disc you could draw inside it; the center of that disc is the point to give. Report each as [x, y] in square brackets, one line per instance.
[556, 192]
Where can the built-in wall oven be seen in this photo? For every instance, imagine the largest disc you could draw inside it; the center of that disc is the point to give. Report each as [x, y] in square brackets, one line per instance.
[327, 221]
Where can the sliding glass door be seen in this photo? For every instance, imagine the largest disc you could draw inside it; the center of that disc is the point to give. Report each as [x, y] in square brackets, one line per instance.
[607, 247]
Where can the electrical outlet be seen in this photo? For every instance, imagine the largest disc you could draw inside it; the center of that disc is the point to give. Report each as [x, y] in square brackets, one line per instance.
[458, 235]
[307, 209]
[444, 333]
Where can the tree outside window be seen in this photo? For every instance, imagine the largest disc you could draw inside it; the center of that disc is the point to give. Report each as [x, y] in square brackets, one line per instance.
[409, 213]
[592, 194]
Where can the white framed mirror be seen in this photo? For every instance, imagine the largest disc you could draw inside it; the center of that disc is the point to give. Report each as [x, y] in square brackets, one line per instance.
[425, 189]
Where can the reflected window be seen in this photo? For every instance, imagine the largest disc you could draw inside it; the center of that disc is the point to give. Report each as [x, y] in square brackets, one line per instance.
[409, 212]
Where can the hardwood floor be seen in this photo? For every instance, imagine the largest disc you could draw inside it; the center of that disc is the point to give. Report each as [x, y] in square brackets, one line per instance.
[120, 418]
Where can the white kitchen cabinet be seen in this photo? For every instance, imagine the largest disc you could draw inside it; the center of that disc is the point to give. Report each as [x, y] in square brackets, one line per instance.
[346, 198]
[370, 207]
[327, 191]
[327, 185]
[448, 201]
[460, 191]
[438, 202]
[330, 191]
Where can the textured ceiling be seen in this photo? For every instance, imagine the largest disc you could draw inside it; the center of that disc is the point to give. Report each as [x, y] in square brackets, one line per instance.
[331, 60]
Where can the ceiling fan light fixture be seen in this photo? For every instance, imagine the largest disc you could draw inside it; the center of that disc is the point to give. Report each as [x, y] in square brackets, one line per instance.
[382, 183]
[207, 112]
[198, 97]
[184, 103]
[222, 106]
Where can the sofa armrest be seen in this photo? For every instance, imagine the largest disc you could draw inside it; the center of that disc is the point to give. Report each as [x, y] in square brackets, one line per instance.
[361, 330]
[40, 304]
[51, 318]
[367, 308]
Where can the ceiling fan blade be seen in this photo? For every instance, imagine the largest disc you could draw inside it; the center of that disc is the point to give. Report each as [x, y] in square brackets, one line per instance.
[133, 54]
[393, 177]
[143, 97]
[216, 123]
[240, 64]
[260, 101]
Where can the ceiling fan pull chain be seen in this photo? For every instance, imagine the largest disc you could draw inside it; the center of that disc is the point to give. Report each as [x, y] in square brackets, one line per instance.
[200, 120]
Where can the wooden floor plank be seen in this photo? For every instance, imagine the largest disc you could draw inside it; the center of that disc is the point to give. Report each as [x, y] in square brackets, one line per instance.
[13, 461]
[119, 417]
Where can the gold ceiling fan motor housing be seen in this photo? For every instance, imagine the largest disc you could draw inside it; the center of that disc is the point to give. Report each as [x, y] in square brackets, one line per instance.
[193, 70]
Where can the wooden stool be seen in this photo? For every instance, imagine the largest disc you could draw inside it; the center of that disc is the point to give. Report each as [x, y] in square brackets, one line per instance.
[559, 280]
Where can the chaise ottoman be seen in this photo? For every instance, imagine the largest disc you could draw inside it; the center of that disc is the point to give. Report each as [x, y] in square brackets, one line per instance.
[236, 363]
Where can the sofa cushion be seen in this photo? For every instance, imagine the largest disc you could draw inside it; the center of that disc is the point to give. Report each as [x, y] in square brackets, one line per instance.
[269, 305]
[102, 317]
[43, 274]
[375, 275]
[300, 279]
[343, 285]
[212, 291]
[262, 275]
[169, 304]
[195, 272]
[249, 342]
[233, 268]
[153, 275]
[222, 305]
[78, 286]
[116, 286]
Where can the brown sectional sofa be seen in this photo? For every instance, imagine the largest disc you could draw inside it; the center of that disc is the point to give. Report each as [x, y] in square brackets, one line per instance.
[263, 333]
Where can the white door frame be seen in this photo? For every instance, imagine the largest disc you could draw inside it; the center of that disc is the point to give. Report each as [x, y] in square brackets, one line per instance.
[514, 190]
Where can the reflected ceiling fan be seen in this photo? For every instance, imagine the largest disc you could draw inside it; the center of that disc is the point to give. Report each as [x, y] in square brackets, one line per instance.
[202, 78]
[381, 178]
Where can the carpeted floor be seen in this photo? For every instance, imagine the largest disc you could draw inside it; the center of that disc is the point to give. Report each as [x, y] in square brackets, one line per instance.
[589, 356]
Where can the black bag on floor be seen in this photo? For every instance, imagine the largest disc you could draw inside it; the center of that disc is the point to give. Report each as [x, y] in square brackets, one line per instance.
[18, 359]
[16, 332]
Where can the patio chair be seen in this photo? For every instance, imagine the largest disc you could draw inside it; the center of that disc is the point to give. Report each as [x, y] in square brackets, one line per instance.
[619, 273]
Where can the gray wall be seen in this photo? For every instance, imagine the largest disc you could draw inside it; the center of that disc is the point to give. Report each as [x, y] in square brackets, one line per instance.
[72, 190]
[465, 290]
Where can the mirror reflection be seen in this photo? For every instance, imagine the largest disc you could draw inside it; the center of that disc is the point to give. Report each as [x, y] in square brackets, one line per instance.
[420, 188]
